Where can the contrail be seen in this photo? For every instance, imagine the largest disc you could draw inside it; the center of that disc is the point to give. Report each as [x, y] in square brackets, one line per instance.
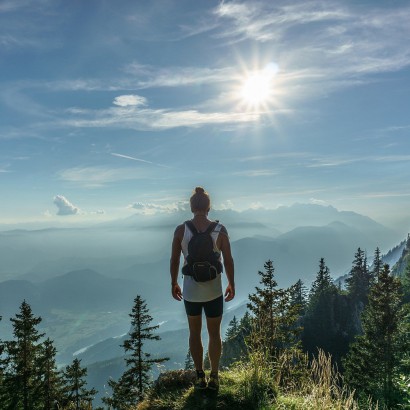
[138, 159]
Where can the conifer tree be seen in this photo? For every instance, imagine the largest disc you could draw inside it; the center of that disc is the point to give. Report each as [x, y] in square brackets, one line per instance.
[377, 264]
[298, 296]
[130, 388]
[375, 357]
[358, 286]
[245, 324]
[189, 363]
[75, 391]
[320, 324]
[359, 280]
[322, 282]
[274, 315]
[233, 345]
[233, 329]
[50, 382]
[21, 373]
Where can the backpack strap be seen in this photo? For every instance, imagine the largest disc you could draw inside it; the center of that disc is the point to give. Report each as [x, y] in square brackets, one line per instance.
[191, 227]
[195, 231]
[211, 227]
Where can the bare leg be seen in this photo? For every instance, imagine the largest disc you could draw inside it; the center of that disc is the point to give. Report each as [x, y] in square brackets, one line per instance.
[195, 341]
[215, 342]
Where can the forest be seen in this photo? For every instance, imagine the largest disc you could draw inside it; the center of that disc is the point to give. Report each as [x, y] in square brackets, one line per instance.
[344, 346]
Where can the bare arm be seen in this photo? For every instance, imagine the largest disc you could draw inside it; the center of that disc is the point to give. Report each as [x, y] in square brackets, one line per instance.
[225, 247]
[174, 262]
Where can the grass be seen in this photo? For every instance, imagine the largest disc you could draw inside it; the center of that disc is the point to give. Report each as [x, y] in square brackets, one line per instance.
[230, 396]
[253, 386]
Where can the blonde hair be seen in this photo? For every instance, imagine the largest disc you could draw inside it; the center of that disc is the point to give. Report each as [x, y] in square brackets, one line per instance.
[200, 200]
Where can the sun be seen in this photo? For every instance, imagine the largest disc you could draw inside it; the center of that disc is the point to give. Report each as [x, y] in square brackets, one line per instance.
[257, 87]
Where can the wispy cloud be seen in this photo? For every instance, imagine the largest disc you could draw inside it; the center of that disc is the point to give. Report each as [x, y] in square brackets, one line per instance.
[137, 77]
[98, 176]
[7, 6]
[149, 76]
[346, 44]
[279, 155]
[256, 173]
[153, 119]
[385, 194]
[342, 161]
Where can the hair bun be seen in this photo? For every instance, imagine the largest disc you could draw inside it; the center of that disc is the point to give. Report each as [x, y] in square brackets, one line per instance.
[199, 190]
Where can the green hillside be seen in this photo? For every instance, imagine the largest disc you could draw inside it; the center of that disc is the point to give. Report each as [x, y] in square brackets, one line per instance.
[249, 387]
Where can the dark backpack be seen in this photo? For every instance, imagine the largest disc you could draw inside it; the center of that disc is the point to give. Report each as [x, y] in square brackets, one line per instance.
[203, 262]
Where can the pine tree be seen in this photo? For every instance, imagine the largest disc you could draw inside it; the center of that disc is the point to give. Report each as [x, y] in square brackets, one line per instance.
[358, 286]
[274, 315]
[298, 296]
[320, 328]
[245, 324]
[189, 363]
[322, 282]
[375, 357]
[21, 373]
[233, 329]
[130, 388]
[377, 264]
[75, 391]
[359, 280]
[233, 345]
[50, 382]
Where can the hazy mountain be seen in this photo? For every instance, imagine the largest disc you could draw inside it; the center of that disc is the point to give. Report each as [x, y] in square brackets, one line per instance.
[115, 246]
[81, 307]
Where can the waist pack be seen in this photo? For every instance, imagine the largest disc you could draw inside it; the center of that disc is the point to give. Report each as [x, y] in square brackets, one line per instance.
[203, 262]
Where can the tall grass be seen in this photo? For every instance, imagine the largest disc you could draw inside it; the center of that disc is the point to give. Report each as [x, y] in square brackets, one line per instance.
[321, 388]
[255, 379]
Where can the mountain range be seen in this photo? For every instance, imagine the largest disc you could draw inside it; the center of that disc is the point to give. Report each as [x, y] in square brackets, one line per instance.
[82, 281]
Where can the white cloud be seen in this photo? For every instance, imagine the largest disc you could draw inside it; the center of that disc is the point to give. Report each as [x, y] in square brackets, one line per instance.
[256, 205]
[318, 201]
[151, 208]
[228, 204]
[130, 100]
[64, 206]
[98, 212]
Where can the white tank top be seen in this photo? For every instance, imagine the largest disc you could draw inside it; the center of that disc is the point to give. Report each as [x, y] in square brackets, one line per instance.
[194, 291]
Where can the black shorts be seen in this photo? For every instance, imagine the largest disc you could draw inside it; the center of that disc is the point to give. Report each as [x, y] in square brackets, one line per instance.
[213, 308]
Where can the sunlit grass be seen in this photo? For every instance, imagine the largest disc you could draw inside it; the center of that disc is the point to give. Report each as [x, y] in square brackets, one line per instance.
[252, 385]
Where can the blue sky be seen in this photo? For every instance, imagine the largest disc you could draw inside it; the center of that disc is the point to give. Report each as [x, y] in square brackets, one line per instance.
[110, 108]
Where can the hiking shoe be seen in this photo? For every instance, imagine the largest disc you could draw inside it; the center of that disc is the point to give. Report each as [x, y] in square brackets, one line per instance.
[200, 382]
[213, 382]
